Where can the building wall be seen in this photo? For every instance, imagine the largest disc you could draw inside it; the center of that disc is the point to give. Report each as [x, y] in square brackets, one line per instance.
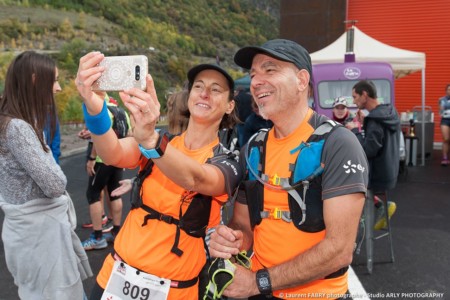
[312, 23]
[415, 25]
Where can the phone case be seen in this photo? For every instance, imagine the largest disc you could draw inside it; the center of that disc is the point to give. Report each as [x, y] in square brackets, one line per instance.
[122, 72]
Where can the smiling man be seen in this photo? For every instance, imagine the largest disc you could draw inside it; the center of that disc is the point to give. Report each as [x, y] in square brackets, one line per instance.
[301, 225]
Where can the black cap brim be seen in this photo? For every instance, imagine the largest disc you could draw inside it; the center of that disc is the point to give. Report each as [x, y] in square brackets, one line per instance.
[192, 73]
[244, 57]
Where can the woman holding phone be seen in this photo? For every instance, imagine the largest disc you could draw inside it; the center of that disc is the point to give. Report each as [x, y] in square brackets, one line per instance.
[188, 173]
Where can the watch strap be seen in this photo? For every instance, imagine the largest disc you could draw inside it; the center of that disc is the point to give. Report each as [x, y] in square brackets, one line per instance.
[160, 148]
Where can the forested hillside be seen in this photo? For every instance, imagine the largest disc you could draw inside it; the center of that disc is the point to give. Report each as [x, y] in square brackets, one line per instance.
[174, 34]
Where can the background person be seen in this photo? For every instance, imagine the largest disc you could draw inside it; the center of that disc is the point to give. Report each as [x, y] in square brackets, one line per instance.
[381, 143]
[102, 175]
[54, 142]
[444, 104]
[176, 112]
[244, 101]
[85, 134]
[252, 124]
[341, 113]
[160, 247]
[42, 251]
[289, 260]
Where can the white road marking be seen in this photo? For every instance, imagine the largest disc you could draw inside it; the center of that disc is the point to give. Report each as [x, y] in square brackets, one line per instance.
[355, 287]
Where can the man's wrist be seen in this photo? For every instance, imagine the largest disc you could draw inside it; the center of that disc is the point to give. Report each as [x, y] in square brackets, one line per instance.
[263, 282]
[90, 158]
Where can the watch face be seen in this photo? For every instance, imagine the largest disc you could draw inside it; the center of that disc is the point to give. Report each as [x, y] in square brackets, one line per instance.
[264, 282]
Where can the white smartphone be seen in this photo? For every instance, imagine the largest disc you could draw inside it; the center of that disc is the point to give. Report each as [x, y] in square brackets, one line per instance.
[122, 72]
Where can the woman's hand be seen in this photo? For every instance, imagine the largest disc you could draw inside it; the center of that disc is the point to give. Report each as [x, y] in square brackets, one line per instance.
[88, 72]
[145, 110]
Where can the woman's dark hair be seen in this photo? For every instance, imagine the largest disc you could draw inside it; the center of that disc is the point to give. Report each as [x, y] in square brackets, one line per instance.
[28, 94]
[231, 119]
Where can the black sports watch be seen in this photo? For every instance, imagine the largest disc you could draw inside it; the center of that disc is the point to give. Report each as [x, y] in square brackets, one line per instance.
[90, 157]
[160, 148]
[263, 282]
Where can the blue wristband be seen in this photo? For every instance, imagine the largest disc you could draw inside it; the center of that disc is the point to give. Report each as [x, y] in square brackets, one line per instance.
[98, 124]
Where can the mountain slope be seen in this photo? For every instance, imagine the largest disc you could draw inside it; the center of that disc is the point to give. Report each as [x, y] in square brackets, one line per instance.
[174, 34]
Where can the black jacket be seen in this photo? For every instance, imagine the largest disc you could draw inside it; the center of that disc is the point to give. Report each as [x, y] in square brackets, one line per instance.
[381, 144]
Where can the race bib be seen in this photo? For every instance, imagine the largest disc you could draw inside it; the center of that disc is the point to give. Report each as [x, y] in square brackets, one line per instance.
[446, 113]
[128, 283]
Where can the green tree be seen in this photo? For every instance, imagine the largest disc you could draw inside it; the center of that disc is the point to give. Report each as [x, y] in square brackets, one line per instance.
[66, 29]
[5, 59]
[81, 21]
[72, 112]
[70, 54]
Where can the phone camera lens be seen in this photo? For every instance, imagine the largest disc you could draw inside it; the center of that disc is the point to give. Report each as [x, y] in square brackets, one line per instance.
[137, 72]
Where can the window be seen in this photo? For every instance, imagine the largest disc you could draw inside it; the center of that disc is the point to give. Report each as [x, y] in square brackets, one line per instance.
[328, 90]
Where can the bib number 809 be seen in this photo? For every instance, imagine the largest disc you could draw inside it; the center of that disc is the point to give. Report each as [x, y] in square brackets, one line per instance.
[135, 291]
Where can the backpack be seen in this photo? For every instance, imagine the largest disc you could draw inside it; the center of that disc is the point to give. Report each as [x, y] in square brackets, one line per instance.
[228, 137]
[303, 186]
[120, 121]
[195, 220]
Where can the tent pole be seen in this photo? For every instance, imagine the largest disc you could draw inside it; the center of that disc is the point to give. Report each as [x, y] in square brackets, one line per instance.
[423, 117]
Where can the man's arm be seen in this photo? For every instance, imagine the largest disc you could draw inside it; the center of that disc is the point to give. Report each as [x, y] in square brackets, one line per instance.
[341, 216]
[237, 236]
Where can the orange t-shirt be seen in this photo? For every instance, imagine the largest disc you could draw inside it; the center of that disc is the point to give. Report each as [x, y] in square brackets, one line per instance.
[277, 241]
[148, 248]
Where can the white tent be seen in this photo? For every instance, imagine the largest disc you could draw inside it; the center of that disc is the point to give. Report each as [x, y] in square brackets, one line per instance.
[368, 49]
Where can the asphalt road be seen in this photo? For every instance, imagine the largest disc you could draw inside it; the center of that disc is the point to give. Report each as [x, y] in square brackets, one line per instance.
[421, 236]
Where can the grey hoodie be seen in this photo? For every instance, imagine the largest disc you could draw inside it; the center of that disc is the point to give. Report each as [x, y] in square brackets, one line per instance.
[381, 144]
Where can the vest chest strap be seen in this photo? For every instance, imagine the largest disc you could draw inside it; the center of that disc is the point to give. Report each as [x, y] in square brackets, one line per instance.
[277, 214]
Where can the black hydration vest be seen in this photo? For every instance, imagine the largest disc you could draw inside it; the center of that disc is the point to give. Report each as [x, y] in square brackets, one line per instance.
[196, 218]
[304, 186]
